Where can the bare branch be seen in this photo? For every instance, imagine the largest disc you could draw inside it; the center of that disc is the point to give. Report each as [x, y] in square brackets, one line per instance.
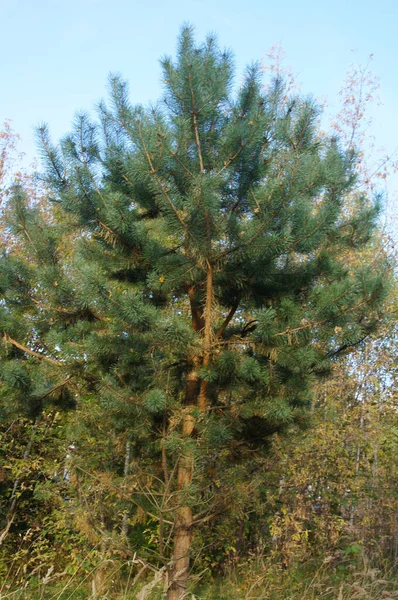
[228, 318]
[8, 340]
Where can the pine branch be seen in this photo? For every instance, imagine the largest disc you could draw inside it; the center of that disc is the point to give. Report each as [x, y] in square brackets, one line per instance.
[228, 318]
[85, 162]
[310, 234]
[249, 327]
[346, 347]
[27, 235]
[206, 519]
[175, 156]
[230, 159]
[121, 494]
[195, 126]
[158, 180]
[108, 229]
[65, 311]
[248, 242]
[8, 340]
[311, 324]
[56, 387]
[49, 152]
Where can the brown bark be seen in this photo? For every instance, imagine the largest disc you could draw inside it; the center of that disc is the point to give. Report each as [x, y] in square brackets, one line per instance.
[207, 335]
[196, 311]
[195, 395]
[183, 520]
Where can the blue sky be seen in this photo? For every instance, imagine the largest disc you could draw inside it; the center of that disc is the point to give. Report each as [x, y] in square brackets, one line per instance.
[56, 54]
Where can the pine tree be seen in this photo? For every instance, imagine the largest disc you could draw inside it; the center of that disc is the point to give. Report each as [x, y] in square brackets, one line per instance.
[192, 272]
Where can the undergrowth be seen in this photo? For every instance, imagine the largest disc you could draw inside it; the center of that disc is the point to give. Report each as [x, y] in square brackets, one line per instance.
[258, 579]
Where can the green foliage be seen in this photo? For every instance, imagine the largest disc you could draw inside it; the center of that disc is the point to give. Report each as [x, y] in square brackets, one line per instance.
[192, 279]
[155, 401]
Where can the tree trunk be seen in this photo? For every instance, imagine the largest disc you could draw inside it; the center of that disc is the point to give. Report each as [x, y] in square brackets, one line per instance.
[195, 395]
[207, 335]
[183, 519]
[126, 515]
[180, 563]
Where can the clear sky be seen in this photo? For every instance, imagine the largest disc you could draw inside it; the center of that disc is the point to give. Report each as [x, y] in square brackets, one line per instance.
[56, 54]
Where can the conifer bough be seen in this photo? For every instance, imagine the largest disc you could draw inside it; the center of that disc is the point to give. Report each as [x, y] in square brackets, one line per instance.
[193, 274]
